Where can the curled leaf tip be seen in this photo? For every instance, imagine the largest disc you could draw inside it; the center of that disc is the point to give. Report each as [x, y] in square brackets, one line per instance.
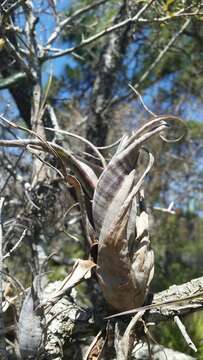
[172, 121]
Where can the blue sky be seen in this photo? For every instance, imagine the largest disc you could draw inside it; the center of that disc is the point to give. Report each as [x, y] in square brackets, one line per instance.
[193, 109]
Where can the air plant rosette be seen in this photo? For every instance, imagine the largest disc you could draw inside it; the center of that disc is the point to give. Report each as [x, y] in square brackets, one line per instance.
[114, 217]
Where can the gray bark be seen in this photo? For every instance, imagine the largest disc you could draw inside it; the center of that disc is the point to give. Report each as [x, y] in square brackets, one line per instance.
[179, 300]
[67, 321]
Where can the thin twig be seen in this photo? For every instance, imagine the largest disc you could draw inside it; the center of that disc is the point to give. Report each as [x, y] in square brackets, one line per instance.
[166, 210]
[33, 150]
[110, 29]
[9, 253]
[153, 65]
[3, 354]
[101, 33]
[162, 53]
[13, 169]
[19, 59]
[171, 205]
[142, 101]
[94, 148]
[179, 14]
[183, 331]
[11, 7]
[70, 18]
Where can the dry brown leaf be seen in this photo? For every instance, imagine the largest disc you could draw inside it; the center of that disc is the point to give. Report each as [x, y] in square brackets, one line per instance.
[31, 323]
[82, 269]
[95, 349]
[125, 265]
[125, 259]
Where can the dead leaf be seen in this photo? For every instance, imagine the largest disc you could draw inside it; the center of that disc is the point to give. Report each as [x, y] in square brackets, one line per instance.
[82, 269]
[95, 349]
[31, 325]
[125, 265]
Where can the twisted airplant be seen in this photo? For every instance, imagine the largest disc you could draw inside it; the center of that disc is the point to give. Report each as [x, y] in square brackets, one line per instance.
[125, 262]
[116, 222]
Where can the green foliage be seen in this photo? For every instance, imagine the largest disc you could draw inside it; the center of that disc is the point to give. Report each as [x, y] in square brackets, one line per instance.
[195, 129]
[178, 247]
[57, 272]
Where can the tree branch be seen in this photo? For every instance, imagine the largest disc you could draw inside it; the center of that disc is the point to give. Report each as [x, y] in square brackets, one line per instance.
[70, 18]
[183, 331]
[3, 352]
[102, 33]
[11, 80]
[125, 22]
[176, 300]
[67, 320]
[162, 53]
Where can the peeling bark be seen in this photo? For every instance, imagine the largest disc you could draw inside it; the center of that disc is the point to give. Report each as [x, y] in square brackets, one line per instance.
[67, 321]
